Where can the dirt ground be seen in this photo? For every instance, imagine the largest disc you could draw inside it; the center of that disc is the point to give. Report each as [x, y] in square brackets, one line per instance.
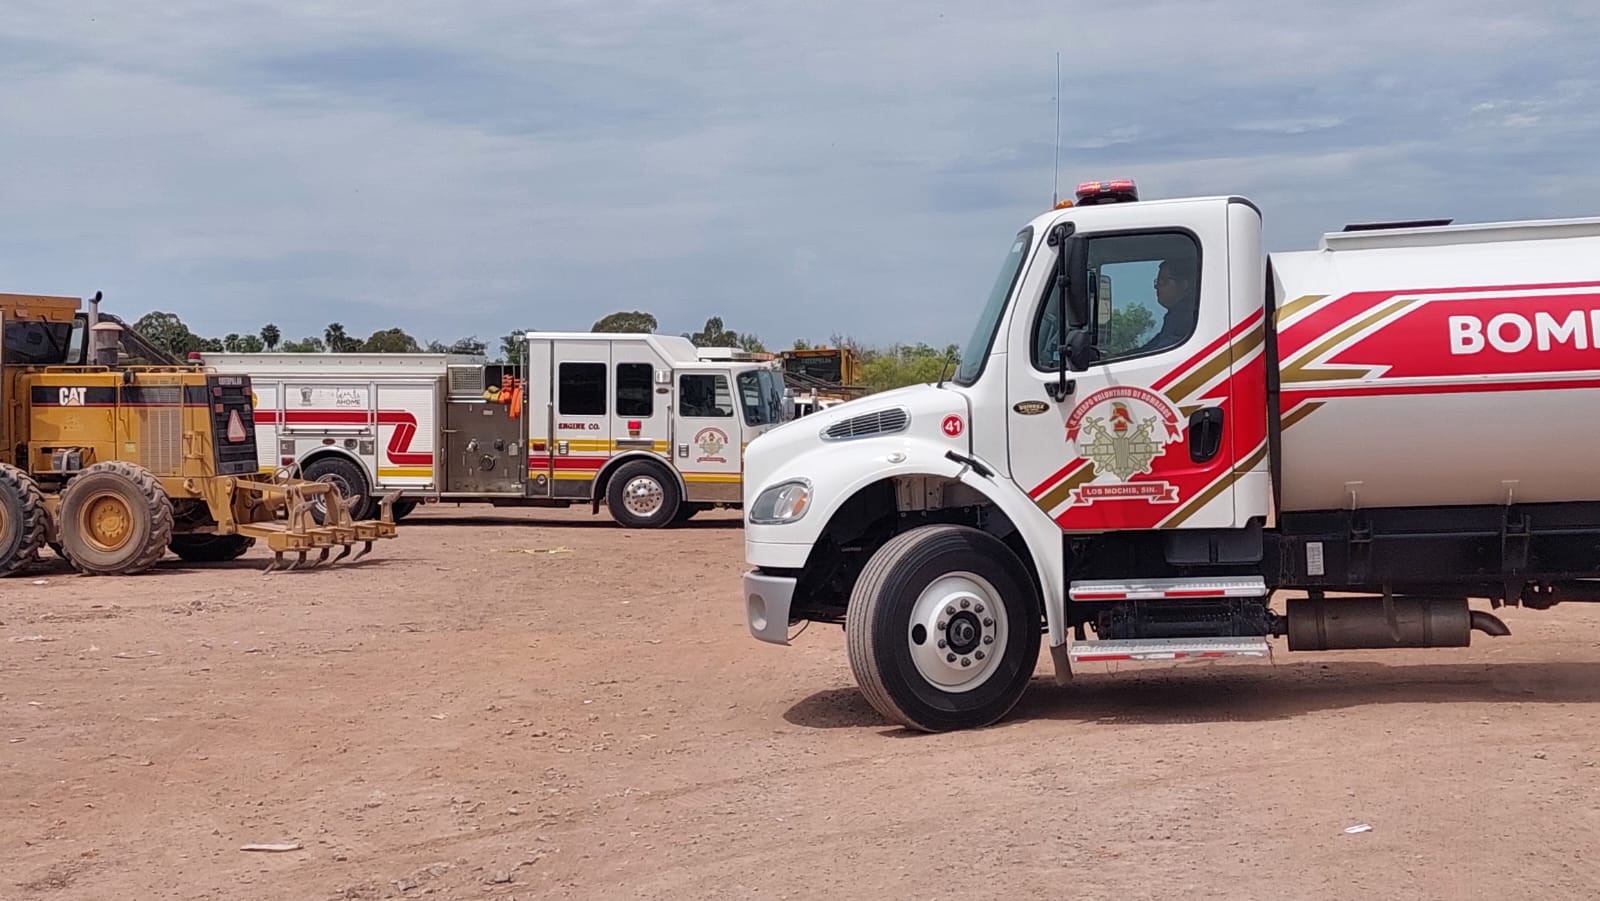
[543, 705]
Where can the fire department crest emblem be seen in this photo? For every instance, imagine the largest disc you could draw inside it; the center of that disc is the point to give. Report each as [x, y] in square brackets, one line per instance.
[1122, 431]
[711, 442]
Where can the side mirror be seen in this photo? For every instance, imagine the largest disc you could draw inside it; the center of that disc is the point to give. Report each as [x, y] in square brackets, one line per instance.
[1080, 351]
[1077, 282]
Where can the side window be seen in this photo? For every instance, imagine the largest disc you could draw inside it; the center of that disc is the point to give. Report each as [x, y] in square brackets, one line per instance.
[704, 395]
[635, 392]
[1145, 295]
[582, 387]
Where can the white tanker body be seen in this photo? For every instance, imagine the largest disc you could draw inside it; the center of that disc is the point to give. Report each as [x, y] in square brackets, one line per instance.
[1157, 426]
[1440, 366]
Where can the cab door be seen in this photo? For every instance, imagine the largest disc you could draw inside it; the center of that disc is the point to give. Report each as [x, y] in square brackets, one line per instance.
[706, 436]
[581, 443]
[641, 415]
[1140, 438]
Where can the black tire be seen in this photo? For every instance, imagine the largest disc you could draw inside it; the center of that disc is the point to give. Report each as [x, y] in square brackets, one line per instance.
[351, 480]
[137, 508]
[654, 483]
[402, 509]
[210, 548]
[687, 510]
[881, 635]
[24, 524]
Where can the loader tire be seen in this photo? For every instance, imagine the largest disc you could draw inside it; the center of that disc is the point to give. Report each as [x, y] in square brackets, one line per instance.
[210, 548]
[351, 481]
[642, 495]
[23, 520]
[115, 520]
[943, 629]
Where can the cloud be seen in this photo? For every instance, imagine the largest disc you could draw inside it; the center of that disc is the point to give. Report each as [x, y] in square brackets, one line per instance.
[796, 170]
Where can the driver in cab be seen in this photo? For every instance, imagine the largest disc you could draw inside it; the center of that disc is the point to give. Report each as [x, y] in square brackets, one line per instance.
[1177, 291]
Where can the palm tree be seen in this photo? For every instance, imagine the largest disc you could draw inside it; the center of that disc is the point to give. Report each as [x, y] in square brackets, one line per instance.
[270, 336]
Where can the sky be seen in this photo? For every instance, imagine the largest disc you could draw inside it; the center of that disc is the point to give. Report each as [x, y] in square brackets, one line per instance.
[798, 169]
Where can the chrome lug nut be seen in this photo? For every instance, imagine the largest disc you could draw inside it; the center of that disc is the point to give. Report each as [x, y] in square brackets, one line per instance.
[949, 610]
[941, 643]
[965, 603]
[987, 639]
[988, 621]
[965, 662]
[949, 658]
[978, 609]
[978, 654]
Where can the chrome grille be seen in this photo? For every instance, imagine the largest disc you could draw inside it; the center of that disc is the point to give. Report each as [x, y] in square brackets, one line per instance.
[878, 422]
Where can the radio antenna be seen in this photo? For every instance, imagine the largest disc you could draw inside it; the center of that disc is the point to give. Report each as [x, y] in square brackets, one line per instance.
[1055, 188]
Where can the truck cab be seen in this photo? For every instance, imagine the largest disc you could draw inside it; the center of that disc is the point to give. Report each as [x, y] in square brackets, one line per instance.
[1106, 466]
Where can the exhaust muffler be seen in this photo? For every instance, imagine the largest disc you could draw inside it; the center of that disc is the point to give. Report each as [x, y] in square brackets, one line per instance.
[1362, 623]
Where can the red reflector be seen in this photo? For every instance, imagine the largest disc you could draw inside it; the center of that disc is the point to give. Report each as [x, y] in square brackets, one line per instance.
[217, 407]
[216, 392]
[286, 461]
[633, 424]
[327, 441]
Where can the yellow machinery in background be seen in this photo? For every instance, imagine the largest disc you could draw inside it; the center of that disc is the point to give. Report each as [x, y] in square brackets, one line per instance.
[115, 453]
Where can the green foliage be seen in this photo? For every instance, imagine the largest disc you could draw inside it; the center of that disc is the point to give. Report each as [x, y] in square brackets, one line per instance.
[630, 322]
[905, 364]
[311, 345]
[270, 336]
[391, 341]
[1125, 329]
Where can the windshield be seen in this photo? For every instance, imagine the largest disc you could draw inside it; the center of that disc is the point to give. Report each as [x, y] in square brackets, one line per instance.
[36, 343]
[756, 402]
[978, 345]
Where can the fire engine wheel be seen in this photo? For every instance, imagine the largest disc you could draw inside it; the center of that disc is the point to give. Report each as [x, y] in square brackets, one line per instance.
[642, 495]
[402, 509]
[210, 548]
[349, 478]
[943, 629]
[23, 521]
[115, 520]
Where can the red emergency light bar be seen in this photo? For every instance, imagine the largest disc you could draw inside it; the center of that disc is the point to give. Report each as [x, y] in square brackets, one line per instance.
[1121, 190]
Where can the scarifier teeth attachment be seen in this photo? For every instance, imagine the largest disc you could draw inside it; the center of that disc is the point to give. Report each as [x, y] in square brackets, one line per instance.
[299, 533]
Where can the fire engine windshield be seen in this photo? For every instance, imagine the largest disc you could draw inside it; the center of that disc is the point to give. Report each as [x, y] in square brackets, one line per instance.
[755, 397]
[978, 345]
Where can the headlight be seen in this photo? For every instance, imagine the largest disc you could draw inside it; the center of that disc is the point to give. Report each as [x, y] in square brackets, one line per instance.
[784, 502]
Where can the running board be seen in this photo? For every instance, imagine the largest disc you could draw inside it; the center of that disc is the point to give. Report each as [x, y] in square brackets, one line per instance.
[1112, 650]
[1168, 589]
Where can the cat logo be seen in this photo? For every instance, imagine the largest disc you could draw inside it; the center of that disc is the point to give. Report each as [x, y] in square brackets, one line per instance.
[72, 397]
[1030, 407]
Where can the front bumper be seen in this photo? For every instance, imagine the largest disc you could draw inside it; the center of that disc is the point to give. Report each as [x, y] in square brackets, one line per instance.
[766, 605]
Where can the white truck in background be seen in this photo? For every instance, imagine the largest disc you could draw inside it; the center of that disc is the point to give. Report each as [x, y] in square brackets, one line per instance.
[1394, 423]
[637, 422]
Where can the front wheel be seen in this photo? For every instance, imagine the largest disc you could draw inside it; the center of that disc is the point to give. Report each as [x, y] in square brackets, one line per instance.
[943, 629]
[642, 495]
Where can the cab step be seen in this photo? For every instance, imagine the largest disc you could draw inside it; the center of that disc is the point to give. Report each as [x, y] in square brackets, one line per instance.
[1168, 589]
[1113, 650]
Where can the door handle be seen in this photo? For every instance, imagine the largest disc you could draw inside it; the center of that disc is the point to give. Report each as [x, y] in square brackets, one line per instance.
[1205, 434]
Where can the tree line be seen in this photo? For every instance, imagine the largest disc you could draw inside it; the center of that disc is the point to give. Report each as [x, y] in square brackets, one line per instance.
[882, 368]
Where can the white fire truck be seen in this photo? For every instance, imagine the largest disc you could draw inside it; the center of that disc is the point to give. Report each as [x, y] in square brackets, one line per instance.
[1391, 424]
[638, 422]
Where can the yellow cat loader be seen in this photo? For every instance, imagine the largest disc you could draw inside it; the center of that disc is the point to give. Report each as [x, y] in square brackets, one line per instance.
[113, 452]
